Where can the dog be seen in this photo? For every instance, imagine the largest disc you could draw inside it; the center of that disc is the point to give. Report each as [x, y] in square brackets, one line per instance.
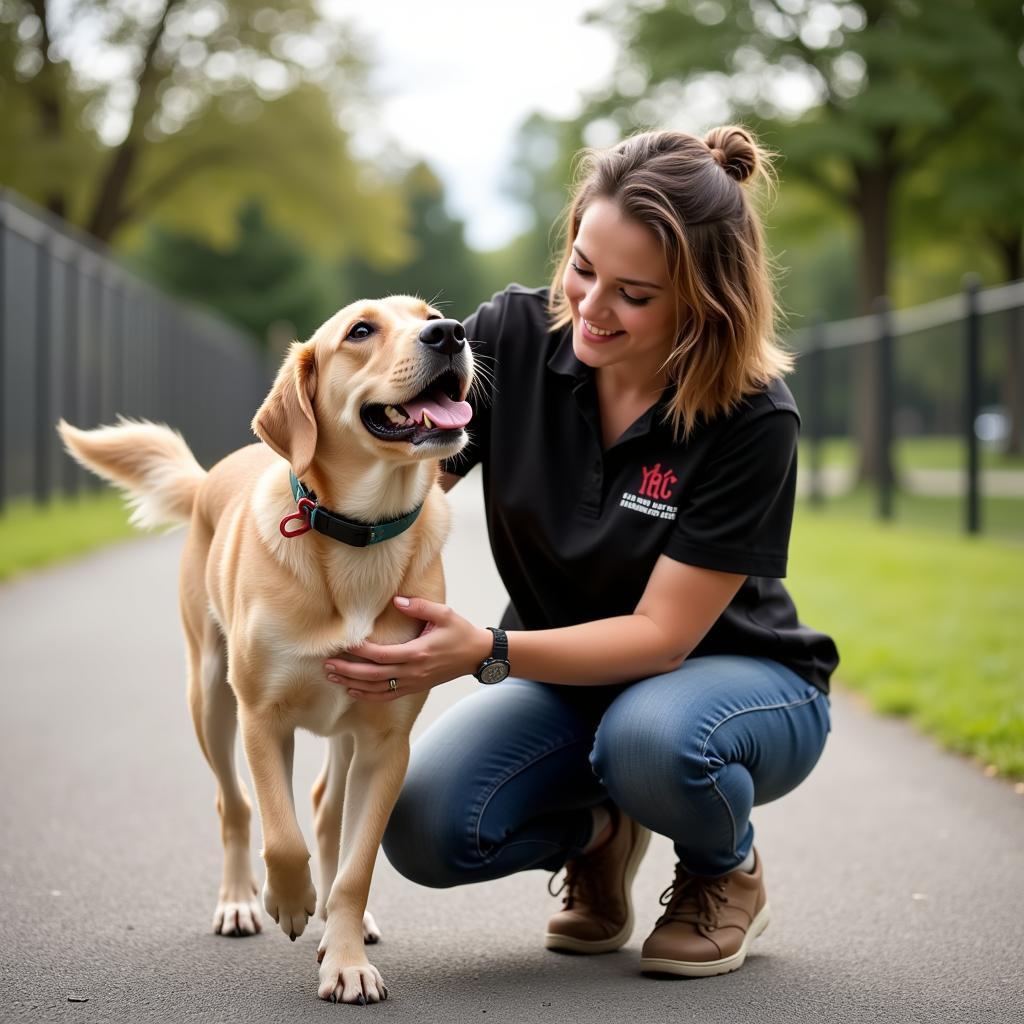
[352, 432]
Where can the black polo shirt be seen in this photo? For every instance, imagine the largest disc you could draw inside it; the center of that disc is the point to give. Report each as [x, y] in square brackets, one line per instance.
[576, 529]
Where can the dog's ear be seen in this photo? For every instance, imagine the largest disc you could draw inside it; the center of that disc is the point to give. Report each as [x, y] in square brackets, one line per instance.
[286, 420]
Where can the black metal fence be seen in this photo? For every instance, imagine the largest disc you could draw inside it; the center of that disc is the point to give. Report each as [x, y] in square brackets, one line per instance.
[83, 339]
[950, 371]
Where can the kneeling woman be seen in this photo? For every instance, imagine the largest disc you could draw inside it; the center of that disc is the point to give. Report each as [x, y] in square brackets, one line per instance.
[638, 447]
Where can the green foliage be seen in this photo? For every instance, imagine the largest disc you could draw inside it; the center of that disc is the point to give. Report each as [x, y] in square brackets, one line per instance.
[893, 84]
[213, 101]
[218, 159]
[539, 178]
[268, 282]
[439, 266]
[260, 279]
[290, 155]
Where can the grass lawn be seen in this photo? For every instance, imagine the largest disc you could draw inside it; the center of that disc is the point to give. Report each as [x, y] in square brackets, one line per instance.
[1001, 518]
[31, 536]
[929, 624]
[915, 453]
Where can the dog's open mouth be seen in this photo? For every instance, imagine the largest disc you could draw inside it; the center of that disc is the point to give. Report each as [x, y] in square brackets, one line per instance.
[435, 412]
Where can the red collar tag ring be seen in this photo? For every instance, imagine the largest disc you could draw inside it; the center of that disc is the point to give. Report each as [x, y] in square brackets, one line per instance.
[306, 509]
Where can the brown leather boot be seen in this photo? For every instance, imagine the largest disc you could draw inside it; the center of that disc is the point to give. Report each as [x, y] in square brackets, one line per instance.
[708, 923]
[597, 912]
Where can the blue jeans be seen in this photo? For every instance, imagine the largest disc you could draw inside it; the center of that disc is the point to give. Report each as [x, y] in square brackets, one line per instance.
[504, 781]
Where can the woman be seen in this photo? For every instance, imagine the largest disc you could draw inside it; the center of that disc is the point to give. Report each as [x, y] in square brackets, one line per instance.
[639, 459]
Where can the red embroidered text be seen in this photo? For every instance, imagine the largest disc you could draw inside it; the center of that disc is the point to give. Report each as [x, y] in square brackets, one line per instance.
[656, 484]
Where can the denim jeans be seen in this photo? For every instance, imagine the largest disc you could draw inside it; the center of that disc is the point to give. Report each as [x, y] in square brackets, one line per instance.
[504, 781]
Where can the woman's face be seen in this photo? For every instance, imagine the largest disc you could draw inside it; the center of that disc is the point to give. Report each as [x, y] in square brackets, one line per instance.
[618, 289]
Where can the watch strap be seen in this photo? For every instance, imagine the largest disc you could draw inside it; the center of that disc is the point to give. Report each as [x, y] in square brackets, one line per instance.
[499, 650]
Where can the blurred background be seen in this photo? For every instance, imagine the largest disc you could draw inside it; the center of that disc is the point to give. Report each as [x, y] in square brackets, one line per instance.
[196, 182]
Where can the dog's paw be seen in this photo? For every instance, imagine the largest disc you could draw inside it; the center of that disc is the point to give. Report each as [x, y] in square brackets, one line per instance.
[292, 911]
[349, 983]
[237, 917]
[371, 933]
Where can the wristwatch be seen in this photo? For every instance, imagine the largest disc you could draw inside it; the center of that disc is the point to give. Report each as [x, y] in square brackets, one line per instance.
[496, 667]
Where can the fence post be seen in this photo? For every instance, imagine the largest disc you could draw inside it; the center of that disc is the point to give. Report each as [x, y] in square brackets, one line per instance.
[885, 393]
[73, 473]
[44, 372]
[817, 407]
[117, 344]
[972, 400]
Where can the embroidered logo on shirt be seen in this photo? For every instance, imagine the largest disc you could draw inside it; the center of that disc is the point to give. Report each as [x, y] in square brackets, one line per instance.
[655, 491]
[657, 485]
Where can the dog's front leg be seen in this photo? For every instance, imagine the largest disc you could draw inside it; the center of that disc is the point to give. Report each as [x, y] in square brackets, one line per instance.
[374, 780]
[288, 895]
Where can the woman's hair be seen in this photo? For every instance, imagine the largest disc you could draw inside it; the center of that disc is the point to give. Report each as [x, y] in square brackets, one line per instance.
[693, 195]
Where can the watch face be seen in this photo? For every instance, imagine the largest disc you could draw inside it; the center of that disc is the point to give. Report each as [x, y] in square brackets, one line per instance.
[495, 672]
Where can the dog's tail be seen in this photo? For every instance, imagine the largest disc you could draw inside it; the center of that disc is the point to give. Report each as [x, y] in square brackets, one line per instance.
[149, 461]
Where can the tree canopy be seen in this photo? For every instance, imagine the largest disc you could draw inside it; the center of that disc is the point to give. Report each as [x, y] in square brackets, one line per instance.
[119, 112]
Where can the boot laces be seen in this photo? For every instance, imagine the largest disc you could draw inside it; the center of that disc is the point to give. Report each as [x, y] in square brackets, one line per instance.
[693, 899]
[576, 884]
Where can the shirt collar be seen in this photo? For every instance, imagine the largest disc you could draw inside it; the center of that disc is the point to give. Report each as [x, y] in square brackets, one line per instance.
[563, 361]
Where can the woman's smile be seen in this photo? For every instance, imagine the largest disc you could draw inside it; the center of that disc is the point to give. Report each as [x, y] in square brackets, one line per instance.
[595, 334]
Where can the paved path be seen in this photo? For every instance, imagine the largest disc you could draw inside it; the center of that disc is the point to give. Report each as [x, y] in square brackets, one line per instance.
[896, 872]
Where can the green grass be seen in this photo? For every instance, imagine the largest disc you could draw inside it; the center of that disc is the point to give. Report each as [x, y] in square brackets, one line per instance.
[32, 536]
[1001, 518]
[915, 453]
[929, 625]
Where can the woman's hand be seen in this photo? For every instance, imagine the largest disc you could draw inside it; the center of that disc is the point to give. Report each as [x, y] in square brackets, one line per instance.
[448, 647]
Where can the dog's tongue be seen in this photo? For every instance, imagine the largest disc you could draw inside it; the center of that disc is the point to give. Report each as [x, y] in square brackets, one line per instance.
[443, 412]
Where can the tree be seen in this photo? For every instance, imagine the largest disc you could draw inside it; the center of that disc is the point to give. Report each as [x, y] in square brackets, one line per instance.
[440, 267]
[856, 95]
[975, 188]
[164, 110]
[261, 280]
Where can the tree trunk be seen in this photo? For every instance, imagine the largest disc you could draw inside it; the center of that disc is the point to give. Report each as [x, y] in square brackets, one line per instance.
[873, 202]
[108, 211]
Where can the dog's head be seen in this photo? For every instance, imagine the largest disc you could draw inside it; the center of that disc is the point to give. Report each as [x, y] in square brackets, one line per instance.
[390, 376]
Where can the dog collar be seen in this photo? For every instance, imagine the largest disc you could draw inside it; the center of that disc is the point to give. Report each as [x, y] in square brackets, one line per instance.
[330, 524]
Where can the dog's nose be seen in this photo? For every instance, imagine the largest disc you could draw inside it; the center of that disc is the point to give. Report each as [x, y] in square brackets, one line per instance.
[447, 337]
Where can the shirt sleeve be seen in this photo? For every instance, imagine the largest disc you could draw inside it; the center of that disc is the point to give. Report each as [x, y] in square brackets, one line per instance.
[738, 515]
[483, 329]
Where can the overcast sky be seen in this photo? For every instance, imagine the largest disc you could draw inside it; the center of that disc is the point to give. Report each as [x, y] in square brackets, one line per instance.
[456, 77]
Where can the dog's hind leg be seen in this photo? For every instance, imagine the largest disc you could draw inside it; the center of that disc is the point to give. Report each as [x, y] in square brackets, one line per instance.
[328, 799]
[214, 714]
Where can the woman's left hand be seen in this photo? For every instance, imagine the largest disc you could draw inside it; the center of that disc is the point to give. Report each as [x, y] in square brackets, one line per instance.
[448, 647]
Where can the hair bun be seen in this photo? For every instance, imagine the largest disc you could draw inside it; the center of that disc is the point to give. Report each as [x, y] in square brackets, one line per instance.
[735, 151]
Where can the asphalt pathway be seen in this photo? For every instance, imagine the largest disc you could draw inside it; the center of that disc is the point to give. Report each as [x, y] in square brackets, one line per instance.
[896, 872]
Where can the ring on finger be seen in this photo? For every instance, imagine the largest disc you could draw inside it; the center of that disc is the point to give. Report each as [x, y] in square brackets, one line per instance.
[393, 685]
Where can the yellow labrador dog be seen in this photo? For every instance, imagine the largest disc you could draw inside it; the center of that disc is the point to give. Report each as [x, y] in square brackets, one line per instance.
[294, 552]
